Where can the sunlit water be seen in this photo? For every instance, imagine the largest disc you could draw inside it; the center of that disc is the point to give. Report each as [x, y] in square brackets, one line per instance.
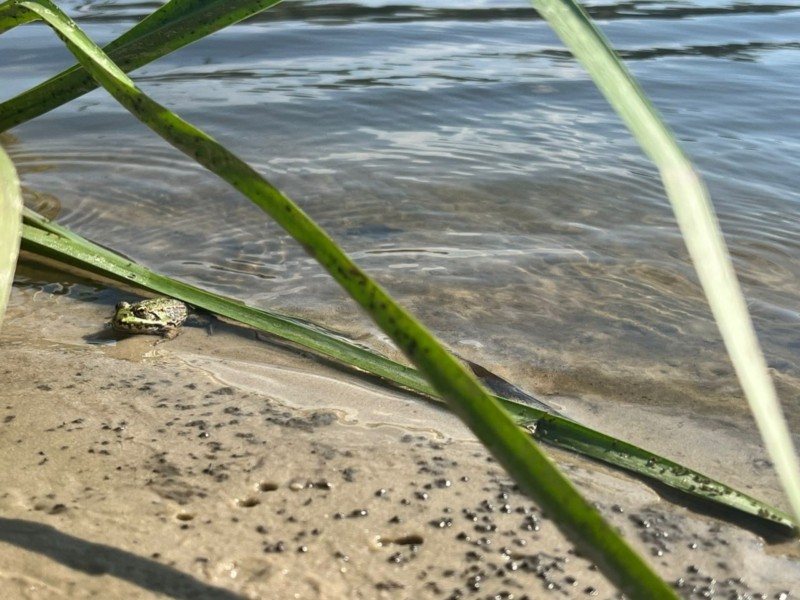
[464, 159]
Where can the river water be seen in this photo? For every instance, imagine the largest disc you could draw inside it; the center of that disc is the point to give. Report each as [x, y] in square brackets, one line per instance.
[460, 154]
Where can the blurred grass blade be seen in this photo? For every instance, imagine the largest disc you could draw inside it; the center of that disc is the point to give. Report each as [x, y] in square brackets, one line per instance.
[51, 240]
[698, 224]
[519, 455]
[10, 226]
[174, 25]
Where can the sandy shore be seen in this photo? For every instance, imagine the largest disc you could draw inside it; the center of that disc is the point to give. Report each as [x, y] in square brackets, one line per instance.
[225, 467]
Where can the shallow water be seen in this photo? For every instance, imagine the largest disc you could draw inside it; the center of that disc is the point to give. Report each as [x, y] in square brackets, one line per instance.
[468, 163]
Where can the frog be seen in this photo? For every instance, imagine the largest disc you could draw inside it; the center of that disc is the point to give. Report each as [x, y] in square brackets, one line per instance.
[156, 316]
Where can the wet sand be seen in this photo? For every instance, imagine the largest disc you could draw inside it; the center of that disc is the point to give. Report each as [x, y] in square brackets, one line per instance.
[226, 467]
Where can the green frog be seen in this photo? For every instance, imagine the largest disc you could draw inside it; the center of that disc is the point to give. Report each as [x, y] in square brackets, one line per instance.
[158, 316]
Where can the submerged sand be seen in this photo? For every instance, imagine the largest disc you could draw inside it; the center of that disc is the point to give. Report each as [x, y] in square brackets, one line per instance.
[227, 467]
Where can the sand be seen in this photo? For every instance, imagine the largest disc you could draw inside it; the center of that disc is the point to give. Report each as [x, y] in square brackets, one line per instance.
[223, 466]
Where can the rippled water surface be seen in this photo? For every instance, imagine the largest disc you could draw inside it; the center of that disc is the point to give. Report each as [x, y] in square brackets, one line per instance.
[461, 155]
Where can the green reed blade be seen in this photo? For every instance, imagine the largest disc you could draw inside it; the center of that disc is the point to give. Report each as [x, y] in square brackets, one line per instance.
[50, 239]
[10, 226]
[174, 25]
[521, 457]
[12, 15]
[699, 226]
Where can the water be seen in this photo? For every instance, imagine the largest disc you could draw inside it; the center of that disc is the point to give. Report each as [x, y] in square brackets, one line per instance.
[465, 160]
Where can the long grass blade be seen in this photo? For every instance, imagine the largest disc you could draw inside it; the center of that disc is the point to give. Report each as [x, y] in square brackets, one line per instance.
[53, 241]
[698, 224]
[520, 456]
[174, 25]
[10, 227]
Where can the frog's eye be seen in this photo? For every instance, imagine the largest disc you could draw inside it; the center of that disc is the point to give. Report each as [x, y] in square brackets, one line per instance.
[121, 305]
[141, 313]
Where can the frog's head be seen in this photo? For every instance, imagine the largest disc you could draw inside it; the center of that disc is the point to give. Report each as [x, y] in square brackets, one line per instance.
[135, 318]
